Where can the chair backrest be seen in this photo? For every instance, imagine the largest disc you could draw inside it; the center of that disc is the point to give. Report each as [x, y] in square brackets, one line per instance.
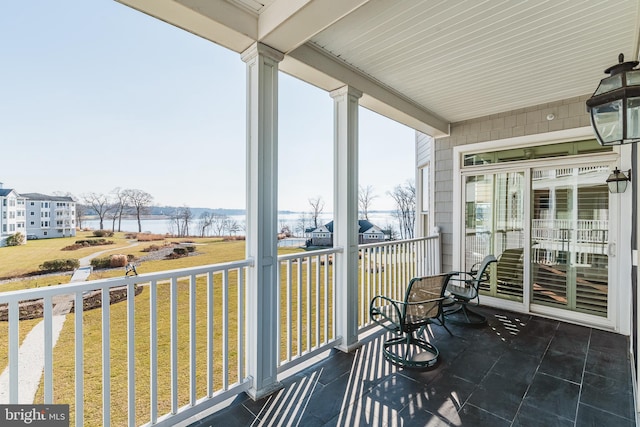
[482, 275]
[424, 289]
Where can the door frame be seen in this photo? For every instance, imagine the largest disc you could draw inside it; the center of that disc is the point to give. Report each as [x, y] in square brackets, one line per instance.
[619, 308]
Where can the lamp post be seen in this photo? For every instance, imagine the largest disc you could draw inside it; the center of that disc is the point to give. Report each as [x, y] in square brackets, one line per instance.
[614, 108]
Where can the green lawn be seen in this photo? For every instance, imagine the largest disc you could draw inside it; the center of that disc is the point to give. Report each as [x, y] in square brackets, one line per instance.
[209, 251]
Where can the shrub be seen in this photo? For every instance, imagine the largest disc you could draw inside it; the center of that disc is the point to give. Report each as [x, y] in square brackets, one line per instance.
[103, 233]
[118, 260]
[181, 251]
[131, 235]
[103, 262]
[190, 248]
[148, 237]
[16, 239]
[72, 247]
[60, 265]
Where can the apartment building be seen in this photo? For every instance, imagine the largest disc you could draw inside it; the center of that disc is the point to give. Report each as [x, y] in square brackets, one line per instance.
[12, 214]
[49, 216]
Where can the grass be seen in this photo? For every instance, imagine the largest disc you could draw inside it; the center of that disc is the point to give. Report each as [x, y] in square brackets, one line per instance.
[25, 259]
[208, 251]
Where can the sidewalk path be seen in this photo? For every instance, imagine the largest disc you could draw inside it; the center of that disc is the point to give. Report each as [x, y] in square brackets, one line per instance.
[31, 351]
[31, 356]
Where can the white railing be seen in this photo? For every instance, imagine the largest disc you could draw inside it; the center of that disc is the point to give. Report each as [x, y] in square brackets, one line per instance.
[177, 347]
[307, 311]
[387, 268]
[187, 341]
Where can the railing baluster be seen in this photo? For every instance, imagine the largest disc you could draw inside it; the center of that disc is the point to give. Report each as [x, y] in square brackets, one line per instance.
[153, 350]
[173, 312]
[326, 298]
[106, 356]
[210, 334]
[308, 290]
[289, 285]
[241, 312]
[131, 351]
[48, 351]
[14, 347]
[192, 340]
[79, 359]
[317, 307]
[299, 309]
[225, 330]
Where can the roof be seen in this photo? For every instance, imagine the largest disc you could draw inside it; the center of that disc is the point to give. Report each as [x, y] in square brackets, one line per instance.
[426, 64]
[5, 191]
[364, 226]
[40, 196]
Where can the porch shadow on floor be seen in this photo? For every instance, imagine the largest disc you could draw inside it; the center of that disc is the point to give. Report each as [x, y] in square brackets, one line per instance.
[519, 370]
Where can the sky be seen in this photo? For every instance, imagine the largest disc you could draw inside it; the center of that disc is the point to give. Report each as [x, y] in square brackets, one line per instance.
[96, 96]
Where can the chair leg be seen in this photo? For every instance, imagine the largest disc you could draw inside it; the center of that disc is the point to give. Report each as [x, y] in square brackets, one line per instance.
[470, 317]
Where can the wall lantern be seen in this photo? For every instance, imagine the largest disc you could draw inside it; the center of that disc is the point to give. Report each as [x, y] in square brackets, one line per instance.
[617, 181]
[614, 108]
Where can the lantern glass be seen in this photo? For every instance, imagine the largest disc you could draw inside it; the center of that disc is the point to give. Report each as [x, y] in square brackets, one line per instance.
[633, 118]
[633, 78]
[617, 187]
[607, 119]
[609, 84]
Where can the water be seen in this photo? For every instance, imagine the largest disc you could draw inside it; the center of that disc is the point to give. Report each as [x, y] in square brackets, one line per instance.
[164, 225]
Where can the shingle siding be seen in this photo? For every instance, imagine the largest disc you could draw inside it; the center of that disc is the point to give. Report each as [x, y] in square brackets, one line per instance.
[568, 114]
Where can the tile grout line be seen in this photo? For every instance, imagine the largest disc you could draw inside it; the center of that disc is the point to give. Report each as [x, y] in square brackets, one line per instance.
[584, 367]
[534, 373]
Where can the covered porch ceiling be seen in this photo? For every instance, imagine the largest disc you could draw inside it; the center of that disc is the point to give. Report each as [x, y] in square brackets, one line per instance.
[426, 64]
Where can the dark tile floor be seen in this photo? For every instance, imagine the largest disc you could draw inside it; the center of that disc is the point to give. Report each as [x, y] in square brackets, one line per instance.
[518, 370]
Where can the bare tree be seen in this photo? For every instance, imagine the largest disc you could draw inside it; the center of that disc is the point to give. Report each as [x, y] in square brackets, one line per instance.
[119, 205]
[219, 224]
[181, 218]
[365, 199]
[317, 205]
[405, 198]
[234, 227]
[99, 203]
[302, 224]
[81, 211]
[140, 202]
[205, 221]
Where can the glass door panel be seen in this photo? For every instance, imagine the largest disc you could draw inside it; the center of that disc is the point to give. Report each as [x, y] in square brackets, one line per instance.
[494, 224]
[570, 238]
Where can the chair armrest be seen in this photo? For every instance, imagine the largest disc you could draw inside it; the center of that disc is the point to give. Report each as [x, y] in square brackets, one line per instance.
[386, 313]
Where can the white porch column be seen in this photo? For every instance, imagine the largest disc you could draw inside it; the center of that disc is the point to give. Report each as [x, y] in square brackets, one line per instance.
[345, 212]
[262, 217]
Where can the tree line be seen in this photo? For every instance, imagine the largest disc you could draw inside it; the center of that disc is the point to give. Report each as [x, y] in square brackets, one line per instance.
[114, 205]
[122, 202]
[404, 196]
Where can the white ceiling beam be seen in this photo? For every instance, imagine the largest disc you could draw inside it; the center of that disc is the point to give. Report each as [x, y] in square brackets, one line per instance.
[287, 24]
[319, 69]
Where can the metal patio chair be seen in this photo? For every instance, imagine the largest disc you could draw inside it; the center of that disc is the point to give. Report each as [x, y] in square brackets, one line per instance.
[408, 319]
[462, 291]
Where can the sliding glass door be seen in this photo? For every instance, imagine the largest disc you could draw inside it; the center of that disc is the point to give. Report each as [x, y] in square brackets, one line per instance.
[494, 224]
[570, 238]
[548, 228]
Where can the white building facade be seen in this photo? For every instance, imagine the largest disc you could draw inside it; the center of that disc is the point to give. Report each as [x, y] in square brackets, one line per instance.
[49, 216]
[12, 214]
